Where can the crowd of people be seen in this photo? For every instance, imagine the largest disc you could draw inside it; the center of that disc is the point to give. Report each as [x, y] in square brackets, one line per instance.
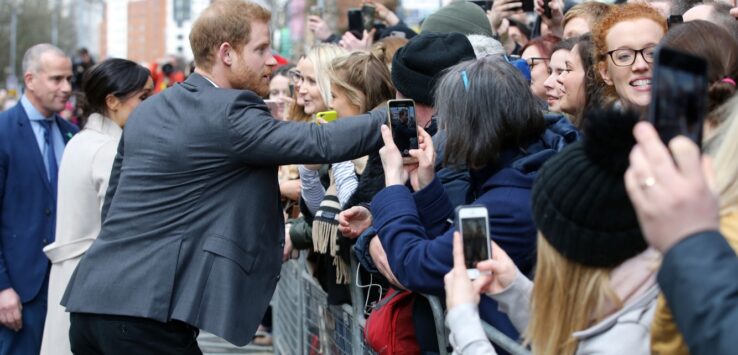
[173, 208]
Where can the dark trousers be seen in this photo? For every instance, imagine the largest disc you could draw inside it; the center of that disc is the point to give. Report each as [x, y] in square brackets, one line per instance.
[111, 335]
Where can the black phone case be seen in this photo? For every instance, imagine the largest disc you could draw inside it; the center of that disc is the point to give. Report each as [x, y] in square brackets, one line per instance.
[678, 95]
[356, 23]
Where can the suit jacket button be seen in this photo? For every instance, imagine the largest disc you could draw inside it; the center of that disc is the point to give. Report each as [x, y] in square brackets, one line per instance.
[48, 212]
[279, 277]
[45, 241]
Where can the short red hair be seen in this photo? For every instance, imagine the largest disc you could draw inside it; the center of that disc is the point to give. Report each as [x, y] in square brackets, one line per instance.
[617, 14]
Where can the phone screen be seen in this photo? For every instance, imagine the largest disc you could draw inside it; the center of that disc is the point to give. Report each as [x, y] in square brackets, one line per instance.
[402, 121]
[678, 95]
[674, 20]
[316, 10]
[367, 16]
[356, 23]
[474, 233]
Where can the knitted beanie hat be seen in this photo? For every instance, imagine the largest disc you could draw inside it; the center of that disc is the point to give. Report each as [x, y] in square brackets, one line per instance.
[461, 16]
[417, 66]
[580, 204]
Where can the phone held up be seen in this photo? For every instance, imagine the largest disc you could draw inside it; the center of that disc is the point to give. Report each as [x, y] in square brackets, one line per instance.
[401, 119]
[368, 13]
[327, 116]
[486, 5]
[546, 9]
[356, 23]
[678, 95]
[472, 221]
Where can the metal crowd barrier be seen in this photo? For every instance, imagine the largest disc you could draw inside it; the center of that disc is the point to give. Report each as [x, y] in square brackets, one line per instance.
[305, 324]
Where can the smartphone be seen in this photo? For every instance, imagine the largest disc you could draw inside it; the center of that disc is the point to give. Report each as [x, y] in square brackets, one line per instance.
[674, 20]
[486, 5]
[527, 6]
[356, 23]
[401, 119]
[316, 10]
[327, 116]
[678, 95]
[273, 108]
[399, 34]
[546, 9]
[368, 11]
[473, 224]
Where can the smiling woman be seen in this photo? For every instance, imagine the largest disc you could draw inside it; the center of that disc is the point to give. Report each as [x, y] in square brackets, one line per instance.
[624, 42]
[315, 86]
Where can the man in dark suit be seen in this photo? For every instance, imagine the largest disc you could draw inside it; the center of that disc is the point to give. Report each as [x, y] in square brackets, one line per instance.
[32, 139]
[193, 232]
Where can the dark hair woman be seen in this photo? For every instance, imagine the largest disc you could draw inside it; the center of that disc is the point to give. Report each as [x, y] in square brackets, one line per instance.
[495, 130]
[112, 90]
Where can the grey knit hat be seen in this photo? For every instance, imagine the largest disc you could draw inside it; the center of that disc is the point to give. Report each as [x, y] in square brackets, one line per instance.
[462, 17]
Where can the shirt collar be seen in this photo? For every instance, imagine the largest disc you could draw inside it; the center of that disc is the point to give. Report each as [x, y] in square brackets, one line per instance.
[212, 82]
[32, 112]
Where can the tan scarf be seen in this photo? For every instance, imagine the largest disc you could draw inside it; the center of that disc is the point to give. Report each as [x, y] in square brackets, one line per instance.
[325, 231]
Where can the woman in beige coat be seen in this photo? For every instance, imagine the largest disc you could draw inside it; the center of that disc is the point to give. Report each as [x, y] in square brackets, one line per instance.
[112, 89]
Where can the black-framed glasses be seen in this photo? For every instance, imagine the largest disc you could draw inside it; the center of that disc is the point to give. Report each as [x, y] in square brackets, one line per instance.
[625, 57]
[532, 61]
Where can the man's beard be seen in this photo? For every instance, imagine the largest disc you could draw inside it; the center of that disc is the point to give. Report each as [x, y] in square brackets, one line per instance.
[247, 79]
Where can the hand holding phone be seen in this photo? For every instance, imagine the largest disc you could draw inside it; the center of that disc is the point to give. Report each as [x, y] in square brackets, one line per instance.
[546, 9]
[678, 95]
[486, 5]
[472, 222]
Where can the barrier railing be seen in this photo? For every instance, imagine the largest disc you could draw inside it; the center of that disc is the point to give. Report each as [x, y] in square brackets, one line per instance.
[305, 324]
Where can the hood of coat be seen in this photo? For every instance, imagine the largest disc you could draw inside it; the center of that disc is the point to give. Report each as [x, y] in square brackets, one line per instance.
[519, 168]
[639, 310]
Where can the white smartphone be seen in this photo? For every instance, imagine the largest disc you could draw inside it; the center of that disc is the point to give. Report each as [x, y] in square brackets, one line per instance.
[473, 224]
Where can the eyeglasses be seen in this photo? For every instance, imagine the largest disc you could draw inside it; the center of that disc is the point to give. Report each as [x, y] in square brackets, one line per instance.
[295, 77]
[532, 61]
[625, 57]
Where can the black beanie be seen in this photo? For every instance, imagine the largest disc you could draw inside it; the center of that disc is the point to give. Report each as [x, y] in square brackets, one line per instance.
[580, 204]
[417, 66]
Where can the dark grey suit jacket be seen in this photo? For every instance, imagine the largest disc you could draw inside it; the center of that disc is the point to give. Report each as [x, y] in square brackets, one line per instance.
[193, 228]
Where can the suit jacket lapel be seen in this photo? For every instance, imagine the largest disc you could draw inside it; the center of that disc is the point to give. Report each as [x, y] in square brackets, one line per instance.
[30, 145]
[66, 133]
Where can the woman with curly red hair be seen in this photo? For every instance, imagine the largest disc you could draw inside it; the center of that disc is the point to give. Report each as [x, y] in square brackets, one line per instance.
[625, 42]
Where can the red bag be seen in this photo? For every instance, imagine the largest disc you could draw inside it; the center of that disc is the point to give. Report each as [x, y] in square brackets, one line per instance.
[389, 328]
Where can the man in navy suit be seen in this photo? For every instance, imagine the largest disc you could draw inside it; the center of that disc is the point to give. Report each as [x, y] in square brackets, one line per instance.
[32, 139]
